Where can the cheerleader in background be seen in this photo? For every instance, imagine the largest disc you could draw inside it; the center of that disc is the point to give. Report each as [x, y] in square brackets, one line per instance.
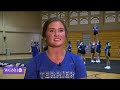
[83, 48]
[34, 49]
[38, 46]
[98, 51]
[107, 55]
[69, 47]
[95, 32]
[78, 47]
[92, 48]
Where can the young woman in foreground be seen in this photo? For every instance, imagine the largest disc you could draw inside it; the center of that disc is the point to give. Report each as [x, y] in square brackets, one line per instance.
[55, 62]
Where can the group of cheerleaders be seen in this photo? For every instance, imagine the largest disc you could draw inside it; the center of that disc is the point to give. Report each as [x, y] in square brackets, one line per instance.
[95, 49]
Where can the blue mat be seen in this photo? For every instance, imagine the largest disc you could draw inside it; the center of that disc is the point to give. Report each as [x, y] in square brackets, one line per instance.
[115, 66]
[23, 61]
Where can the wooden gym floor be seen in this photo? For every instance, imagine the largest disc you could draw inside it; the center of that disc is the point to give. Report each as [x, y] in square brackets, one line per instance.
[90, 74]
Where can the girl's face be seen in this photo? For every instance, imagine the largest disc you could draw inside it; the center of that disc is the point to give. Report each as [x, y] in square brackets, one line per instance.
[55, 34]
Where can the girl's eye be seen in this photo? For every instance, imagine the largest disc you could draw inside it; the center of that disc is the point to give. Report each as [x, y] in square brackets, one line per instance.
[61, 30]
[51, 30]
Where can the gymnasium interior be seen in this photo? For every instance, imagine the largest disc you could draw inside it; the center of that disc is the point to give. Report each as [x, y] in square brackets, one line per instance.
[18, 28]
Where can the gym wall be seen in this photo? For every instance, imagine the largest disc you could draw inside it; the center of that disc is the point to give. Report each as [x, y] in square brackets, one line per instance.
[17, 29]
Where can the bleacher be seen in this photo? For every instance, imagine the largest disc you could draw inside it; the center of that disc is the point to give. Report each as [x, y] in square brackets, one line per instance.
[113, 36]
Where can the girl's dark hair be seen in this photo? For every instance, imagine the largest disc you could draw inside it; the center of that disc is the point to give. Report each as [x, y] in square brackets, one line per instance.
[107, 42]
[69, 42]
[46, 24]
[108, 45]
[99, 42]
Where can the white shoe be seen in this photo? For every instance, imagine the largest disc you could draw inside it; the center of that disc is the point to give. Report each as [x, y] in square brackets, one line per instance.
[84, 62]
[107, 67]
[98, 61]
[92, 61]
[1, 63]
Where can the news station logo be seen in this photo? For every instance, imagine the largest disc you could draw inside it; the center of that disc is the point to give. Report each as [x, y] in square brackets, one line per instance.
[13, 70]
